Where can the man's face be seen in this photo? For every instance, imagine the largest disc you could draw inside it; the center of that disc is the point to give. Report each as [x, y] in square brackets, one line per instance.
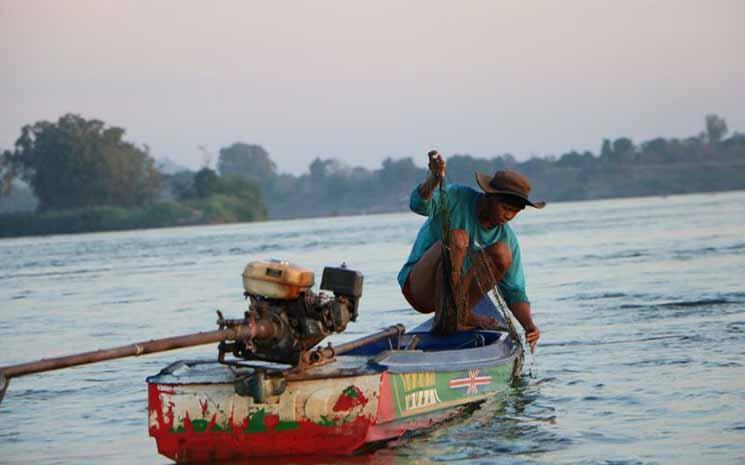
[496, 212]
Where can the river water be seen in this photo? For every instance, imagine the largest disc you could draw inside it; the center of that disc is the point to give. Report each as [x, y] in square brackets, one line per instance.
[641, 304]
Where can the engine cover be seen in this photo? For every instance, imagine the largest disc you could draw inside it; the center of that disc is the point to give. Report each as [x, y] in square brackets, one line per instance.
[276, 279]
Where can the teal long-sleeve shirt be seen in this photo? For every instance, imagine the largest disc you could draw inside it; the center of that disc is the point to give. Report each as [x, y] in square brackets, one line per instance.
[461, 201]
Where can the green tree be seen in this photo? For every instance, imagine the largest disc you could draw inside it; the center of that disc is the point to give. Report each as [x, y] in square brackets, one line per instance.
[716, 128]
[623, 150]
[81, 163]
[7, 173]
[575, 159]
[320, 169]
[606, 152]
[461, 168]
[400, 172]
[206, 183]
[655, 150]
[247, 161]
[623, 145]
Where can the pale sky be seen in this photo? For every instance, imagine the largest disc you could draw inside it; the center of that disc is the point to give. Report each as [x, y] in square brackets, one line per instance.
[360, 81]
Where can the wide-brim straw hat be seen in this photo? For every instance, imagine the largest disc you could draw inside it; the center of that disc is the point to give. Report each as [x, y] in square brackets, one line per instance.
[508, 182]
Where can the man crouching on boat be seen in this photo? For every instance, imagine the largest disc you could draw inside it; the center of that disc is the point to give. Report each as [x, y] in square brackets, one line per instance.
[483, 249]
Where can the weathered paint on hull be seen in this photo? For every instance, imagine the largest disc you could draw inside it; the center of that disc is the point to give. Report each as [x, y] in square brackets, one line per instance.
[203, 422]
[210, 422]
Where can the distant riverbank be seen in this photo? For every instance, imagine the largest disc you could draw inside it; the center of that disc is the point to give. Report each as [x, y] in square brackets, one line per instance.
[212, 210]
[164, 215]
[551, 181]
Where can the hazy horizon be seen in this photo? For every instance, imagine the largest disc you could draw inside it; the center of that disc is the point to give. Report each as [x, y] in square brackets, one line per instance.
[361, 82]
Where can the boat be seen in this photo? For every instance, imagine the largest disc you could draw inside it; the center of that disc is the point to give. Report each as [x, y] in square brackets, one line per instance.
[203, 411]
[274, 391]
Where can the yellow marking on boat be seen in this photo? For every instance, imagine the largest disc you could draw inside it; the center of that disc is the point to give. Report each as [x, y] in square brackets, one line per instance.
[421, 399]
[415, 381]
[445, 405]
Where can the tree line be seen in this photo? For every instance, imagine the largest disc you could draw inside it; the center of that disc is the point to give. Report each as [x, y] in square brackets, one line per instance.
[86, 176]
[708, 161]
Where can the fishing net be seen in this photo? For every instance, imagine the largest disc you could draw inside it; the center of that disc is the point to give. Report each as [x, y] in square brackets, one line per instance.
[450, 313]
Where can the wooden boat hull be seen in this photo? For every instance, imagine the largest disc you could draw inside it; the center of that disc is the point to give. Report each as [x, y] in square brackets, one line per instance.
[200, 411]
[208, 422]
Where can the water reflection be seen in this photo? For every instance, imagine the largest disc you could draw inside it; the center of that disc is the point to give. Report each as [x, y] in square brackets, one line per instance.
[517, 424]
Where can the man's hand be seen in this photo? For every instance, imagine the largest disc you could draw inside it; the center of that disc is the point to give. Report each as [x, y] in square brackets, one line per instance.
[436, 173]
[532, 336]
[436, 164]
[521, 310]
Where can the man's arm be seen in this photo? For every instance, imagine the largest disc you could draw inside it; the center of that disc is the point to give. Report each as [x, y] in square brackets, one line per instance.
[521, 310]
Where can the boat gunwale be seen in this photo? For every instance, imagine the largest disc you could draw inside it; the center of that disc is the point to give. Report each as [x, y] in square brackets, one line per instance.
[392, 361]
[440, 361]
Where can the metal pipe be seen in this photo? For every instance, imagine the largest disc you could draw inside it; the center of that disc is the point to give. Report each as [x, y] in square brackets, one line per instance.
[261, 329]
[327, 353]
[395, 330]
[136, 349]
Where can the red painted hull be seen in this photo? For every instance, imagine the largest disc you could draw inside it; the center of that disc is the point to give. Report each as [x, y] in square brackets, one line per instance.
[202, 442]
[308, 439]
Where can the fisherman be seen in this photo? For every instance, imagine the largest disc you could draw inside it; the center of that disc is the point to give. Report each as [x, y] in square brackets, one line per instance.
[484, 251]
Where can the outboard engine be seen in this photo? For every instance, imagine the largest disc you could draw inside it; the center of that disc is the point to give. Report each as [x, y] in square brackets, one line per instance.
[290, 317]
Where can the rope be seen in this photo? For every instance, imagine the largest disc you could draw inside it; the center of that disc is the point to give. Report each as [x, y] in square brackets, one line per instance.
[447, 321]
[501, 304]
